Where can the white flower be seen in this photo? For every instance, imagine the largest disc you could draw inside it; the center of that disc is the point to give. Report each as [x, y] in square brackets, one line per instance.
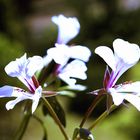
[125, 56]
[68, 28]
[24, 69]
[20, 94]
[75, 69]
[62, 53]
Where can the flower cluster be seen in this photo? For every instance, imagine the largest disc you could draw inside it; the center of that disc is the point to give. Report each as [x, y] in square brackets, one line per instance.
[70, 64]
[125, 56]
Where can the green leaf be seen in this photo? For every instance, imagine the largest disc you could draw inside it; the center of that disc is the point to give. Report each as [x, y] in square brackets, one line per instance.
[57, 108]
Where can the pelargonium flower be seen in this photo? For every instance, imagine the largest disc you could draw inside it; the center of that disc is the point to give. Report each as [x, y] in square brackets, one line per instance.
[124, 57]
[68, 28]
[24, 69]
[61, 54]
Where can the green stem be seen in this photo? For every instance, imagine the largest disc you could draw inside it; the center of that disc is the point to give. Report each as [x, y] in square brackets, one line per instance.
[52, 112]
[102, 116]
[23, 126]
[90, 109]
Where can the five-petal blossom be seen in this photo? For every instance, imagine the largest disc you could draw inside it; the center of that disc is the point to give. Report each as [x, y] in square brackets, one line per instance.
[125, 56]
[24, 69]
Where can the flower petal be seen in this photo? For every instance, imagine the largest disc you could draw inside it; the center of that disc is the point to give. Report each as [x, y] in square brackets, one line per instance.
[60, 53]
[126, 52]
[68, 28]
[15, 68]
[6, 91]
[11, 104]
[75, 69]
[36, 98]
[117, 97]
[79, 52]
[133, 88]
[108, 56]
[134, 100]
[34, 63]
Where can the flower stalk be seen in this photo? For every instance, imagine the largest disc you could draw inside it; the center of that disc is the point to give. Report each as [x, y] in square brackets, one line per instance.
[52, 112]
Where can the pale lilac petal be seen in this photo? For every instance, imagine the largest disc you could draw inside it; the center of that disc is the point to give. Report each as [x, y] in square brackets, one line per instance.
[108, 56]
[6, 91]
[68, 28]
[16, 68]
[79, 52]
[34, 63]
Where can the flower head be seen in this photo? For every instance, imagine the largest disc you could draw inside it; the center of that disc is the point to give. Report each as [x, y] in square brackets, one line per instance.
[124, 57]
[24, 69]
[68, 28]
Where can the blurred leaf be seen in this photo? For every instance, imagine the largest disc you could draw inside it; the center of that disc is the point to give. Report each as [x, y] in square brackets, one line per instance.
[67, 93]
[57, 108]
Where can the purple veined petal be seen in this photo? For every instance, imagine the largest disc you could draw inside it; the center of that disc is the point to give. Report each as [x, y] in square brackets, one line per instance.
[68, 28]
[16, 68]
[34, 63]
[10, 91]
[60, 53]
[133, 88]
[25, 96]
[80, 52]
[107, 55]
[127, 52]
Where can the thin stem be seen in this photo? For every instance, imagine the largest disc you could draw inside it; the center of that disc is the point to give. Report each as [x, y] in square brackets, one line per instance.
[102, 116]
[90, 109]
[52, 112]
[23, 126]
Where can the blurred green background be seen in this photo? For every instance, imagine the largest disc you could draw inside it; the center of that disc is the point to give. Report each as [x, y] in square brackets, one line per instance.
[25, 26]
